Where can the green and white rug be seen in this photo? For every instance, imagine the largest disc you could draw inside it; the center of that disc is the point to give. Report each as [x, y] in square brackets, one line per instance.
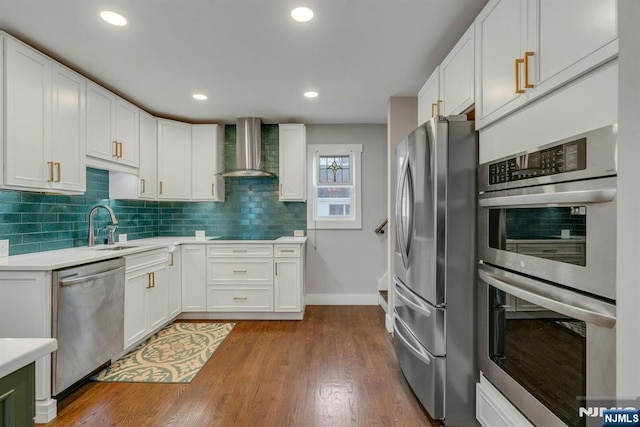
[173, 355]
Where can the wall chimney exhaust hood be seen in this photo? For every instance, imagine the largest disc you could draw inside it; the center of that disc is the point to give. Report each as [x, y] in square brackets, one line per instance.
[249, 155]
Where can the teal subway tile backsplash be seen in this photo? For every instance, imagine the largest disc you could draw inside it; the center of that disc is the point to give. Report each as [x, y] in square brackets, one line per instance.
[34, 222]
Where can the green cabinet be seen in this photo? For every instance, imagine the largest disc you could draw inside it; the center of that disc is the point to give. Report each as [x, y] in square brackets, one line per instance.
[17, 397]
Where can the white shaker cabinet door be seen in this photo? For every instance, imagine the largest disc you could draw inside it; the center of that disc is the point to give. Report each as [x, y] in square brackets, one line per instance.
[174, 282]
[69, 130]
[457, 76]
[207, 159]
[501, 40]
[127, 132]
[148, 170]
[174, 160]
[28, 117]
[287, 284]
[194, 281]
[573, 36]
[157, 296]
[429, 98]
[135, 307]
[101, 123]
[292, 163]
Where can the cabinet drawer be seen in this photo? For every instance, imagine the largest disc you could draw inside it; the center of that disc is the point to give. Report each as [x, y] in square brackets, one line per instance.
[287, 250]
[246, 271]
[239, 298]
[239, 250]
[145, 259]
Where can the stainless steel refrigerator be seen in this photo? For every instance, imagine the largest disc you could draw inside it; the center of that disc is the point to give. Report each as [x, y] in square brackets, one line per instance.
[435, 267]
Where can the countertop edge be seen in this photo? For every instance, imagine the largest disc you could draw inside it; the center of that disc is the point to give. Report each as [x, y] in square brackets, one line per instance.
[16, 353]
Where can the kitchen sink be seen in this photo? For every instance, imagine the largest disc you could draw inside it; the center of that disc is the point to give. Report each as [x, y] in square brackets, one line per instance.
[116, 248]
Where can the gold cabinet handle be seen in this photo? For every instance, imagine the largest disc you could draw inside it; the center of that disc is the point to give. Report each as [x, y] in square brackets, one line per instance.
[239, 271]
[241, 251]
[50, 164]
[144, 185]
[438, 107]
[160, 187]
[170, 259]
[153, 280]
[287, 251]
[57, 165]
[517, 70]
[119, 150]
[115, 148]
[526, 69]
[239, 298]
[148, 280]
[433, 108]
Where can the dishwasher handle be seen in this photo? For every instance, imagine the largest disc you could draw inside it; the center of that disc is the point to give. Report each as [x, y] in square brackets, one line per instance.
[83, 279]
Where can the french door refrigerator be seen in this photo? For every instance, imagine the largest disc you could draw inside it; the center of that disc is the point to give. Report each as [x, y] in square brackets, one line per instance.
[435, 267]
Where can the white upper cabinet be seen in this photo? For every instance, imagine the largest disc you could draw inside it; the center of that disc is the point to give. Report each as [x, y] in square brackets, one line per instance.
[292, 163]
[207, 159]
[174, 160]
[429, 98]
[112, 130]
[148, 171]
[457, 76]
[44, 123]
[525, 48]
[500, 45]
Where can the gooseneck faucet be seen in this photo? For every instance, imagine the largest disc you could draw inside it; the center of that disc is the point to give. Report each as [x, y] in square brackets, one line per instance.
[114, 220]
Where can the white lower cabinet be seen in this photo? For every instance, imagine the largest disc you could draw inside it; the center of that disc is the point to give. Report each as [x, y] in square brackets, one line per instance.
[288, 283]
[145, 295]
[174, 281]
[194, 281]
[239, 298]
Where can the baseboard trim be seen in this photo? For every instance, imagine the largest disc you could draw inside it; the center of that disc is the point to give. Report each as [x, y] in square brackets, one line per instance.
[342, 299]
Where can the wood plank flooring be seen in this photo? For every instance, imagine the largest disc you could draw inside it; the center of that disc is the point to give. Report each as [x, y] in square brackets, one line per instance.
[335, 368]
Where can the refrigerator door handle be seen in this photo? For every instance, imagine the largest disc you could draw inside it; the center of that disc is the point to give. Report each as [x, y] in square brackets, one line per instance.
[415, 349]
[405, 180]
[418, 306]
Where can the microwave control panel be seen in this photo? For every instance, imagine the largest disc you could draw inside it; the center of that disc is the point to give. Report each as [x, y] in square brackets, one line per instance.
[567, 157]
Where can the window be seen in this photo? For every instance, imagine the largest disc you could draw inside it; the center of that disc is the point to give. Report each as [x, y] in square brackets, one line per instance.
[334, 186]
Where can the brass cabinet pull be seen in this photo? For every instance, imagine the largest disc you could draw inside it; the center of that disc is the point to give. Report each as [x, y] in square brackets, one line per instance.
[119, 150]
[517, 69]
[160, 187]
[153, 280]
[115, 148]
[148, 280]
[239, 298]
[144, 185]
[287, 251]
[438, 107]
[241, 251]
[526, 69]
[50, 164]
[239, 271]
[170, 259]
[57, 165]
[433, 108]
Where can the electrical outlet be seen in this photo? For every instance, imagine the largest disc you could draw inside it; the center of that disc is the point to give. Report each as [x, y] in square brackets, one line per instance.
[4, 248]
[298, 233]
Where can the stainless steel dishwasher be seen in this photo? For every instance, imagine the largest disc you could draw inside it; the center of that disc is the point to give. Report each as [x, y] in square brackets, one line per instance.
[87, 321]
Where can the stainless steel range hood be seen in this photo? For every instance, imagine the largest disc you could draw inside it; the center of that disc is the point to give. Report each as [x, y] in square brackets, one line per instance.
[249, 156]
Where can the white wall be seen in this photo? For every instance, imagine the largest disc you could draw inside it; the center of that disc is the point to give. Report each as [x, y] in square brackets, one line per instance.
[628, 236]
[344, 266]
[402, 117]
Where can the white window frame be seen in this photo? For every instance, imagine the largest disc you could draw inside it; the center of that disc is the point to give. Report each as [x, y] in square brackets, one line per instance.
[314, 151]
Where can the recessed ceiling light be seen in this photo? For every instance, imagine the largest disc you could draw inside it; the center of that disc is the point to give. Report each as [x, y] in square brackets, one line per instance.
[200, 96]
[302, 14]
[311, 94]
[113, 18]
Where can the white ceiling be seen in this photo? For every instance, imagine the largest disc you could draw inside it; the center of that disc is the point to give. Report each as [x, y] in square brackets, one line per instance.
[249, 56]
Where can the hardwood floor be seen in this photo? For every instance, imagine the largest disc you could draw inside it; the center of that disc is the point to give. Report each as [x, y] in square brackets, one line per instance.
[335, 368]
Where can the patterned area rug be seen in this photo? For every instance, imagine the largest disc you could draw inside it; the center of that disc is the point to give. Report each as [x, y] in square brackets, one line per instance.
[173, 355]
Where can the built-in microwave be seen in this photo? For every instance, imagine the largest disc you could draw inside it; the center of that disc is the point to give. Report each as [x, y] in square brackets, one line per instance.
[546, 273]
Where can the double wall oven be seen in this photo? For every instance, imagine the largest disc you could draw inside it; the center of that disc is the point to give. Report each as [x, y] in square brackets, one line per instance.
[547, 251]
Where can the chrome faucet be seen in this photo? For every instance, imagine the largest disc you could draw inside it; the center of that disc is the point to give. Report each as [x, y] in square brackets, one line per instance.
[114, 221]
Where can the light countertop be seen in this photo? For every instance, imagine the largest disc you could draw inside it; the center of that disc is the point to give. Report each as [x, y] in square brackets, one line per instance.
[16, 353]
[62, 258]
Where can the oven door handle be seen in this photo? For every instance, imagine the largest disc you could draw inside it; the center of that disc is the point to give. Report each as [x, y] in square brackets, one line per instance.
[570, 197]
[418, 306]
[553, 298]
